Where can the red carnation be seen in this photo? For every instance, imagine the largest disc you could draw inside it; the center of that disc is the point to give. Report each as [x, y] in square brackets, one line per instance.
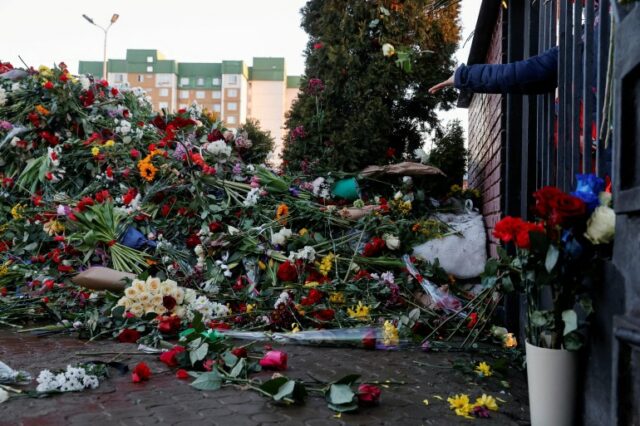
[169, 324]
[48, 85]
[128, 335]
[287, 272]
[141, 373]
[134, 153]
[373, 247]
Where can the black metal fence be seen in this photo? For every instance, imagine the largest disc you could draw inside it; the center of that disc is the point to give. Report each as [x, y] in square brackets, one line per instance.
[550, 138]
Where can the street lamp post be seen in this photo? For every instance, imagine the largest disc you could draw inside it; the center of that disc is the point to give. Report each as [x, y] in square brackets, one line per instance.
[114, 18]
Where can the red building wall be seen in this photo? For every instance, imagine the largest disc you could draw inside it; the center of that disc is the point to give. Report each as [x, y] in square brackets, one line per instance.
[485, 143]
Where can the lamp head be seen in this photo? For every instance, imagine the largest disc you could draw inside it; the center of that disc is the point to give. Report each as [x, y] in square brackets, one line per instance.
[114, 18]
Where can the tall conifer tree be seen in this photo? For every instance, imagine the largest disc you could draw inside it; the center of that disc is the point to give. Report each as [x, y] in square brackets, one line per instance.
[369, 64]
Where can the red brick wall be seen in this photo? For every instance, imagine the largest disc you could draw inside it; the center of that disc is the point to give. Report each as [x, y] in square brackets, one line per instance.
[485, 144]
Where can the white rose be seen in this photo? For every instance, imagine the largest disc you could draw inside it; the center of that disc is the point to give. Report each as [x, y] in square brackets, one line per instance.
[131, 293]
[166, 288]
[601, 225]
[393, 242]
[137, 309]
[152, 285]
[139, 285]
[189, 296]
[156, 300]
[388, 50]
[144, 297]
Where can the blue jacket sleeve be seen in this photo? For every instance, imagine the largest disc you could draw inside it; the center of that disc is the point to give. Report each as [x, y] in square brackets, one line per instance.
[538, 74]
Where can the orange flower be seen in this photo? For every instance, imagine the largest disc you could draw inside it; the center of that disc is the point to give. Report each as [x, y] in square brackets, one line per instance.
[281, 213]
[147, 170]
[42, 110]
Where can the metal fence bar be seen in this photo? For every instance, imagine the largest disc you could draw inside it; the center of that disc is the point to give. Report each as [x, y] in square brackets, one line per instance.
[588, 94]
[543, 29]
[604, 28]
[550, 156]
[564, 93]
[576, 92]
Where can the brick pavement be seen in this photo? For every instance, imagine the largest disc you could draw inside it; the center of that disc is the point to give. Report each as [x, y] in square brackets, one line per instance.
[169, 401]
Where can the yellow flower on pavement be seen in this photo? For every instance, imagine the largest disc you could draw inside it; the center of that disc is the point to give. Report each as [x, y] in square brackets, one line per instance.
[460, 404]
[487, 401]
[484, 369]
[250, 307]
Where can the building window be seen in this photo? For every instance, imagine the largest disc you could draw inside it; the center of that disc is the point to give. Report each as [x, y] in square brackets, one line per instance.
[163, 105]
[184, 94]
[118, 78]
[216, 81]
[200, 81]
[182, 106]
[200, 94]
[232, 93]
[184, 81]
[231, 119]
[140, 78]
[232, 106]
[150, 59]
[232, 79]
[216, 107]
[164, 92]
[164, 79]
[216, 94]
[150, 69]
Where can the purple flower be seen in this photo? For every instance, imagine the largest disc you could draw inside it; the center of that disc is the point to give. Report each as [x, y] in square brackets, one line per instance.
[237, 169]
[315, 86]
[298, 133]
[5, 125]
[481, 411]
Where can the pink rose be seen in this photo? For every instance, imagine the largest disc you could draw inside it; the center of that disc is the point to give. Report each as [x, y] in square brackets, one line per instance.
[274, 360]
[368, 394]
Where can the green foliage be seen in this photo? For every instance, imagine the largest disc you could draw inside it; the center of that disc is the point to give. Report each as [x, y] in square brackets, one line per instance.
[449, 155]
[262, 141]
[369, 108]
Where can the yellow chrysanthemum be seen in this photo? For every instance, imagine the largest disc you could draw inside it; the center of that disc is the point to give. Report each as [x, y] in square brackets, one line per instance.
[110, 143]
[460, 405]
[95, 151]
[337, 298]
[250, 307]
[359, 312]
[303, 232]
[484, 369]
[324, 267]
[16, 211]
[488, 402]
[390, 334]
[4, 269]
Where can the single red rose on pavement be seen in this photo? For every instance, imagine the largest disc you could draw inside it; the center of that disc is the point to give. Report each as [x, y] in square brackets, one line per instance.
[274, 360]
[368, 394]
[169, 357]
[141, 373]
[128, 335]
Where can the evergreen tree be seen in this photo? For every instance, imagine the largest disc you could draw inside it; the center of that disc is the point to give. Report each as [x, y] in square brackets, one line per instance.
[449, 155]
[361, 104]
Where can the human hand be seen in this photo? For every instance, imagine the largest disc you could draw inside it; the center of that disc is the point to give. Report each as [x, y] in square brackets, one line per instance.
[448, 82]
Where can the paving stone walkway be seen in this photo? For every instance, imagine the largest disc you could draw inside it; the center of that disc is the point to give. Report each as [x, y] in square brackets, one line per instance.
[167, 400]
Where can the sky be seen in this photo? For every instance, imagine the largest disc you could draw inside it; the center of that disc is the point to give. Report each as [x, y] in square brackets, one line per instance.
[47, 32]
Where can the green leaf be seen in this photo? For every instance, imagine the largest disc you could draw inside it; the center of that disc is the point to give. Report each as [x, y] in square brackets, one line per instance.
[570, 319]
[199, 354]
[345, 408]
[239, 368]
[347, 380]
[208, 381]
[341, 394]
[540, 318]
[573, 341]
[552, 258]
[273, 386]
[229, 359]
[507, 284]
[285, 391]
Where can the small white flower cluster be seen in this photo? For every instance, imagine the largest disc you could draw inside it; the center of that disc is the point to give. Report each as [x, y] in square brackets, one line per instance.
[3, 96]
[307, 253]
[72, 380]
[320, 188]
[219, 148]
[252, 197]
[222, 264]
[281, 237]
[208, 309]
[145, 297]
[123, 127]
[85, 82]
[284, 298]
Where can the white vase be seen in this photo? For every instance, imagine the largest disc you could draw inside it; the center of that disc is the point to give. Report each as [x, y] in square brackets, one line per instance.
[552, 380]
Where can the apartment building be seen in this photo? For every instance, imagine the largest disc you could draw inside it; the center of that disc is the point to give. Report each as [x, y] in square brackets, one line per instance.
[234, 90]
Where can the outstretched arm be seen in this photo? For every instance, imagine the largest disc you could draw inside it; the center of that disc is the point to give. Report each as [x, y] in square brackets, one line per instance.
[538, 74]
